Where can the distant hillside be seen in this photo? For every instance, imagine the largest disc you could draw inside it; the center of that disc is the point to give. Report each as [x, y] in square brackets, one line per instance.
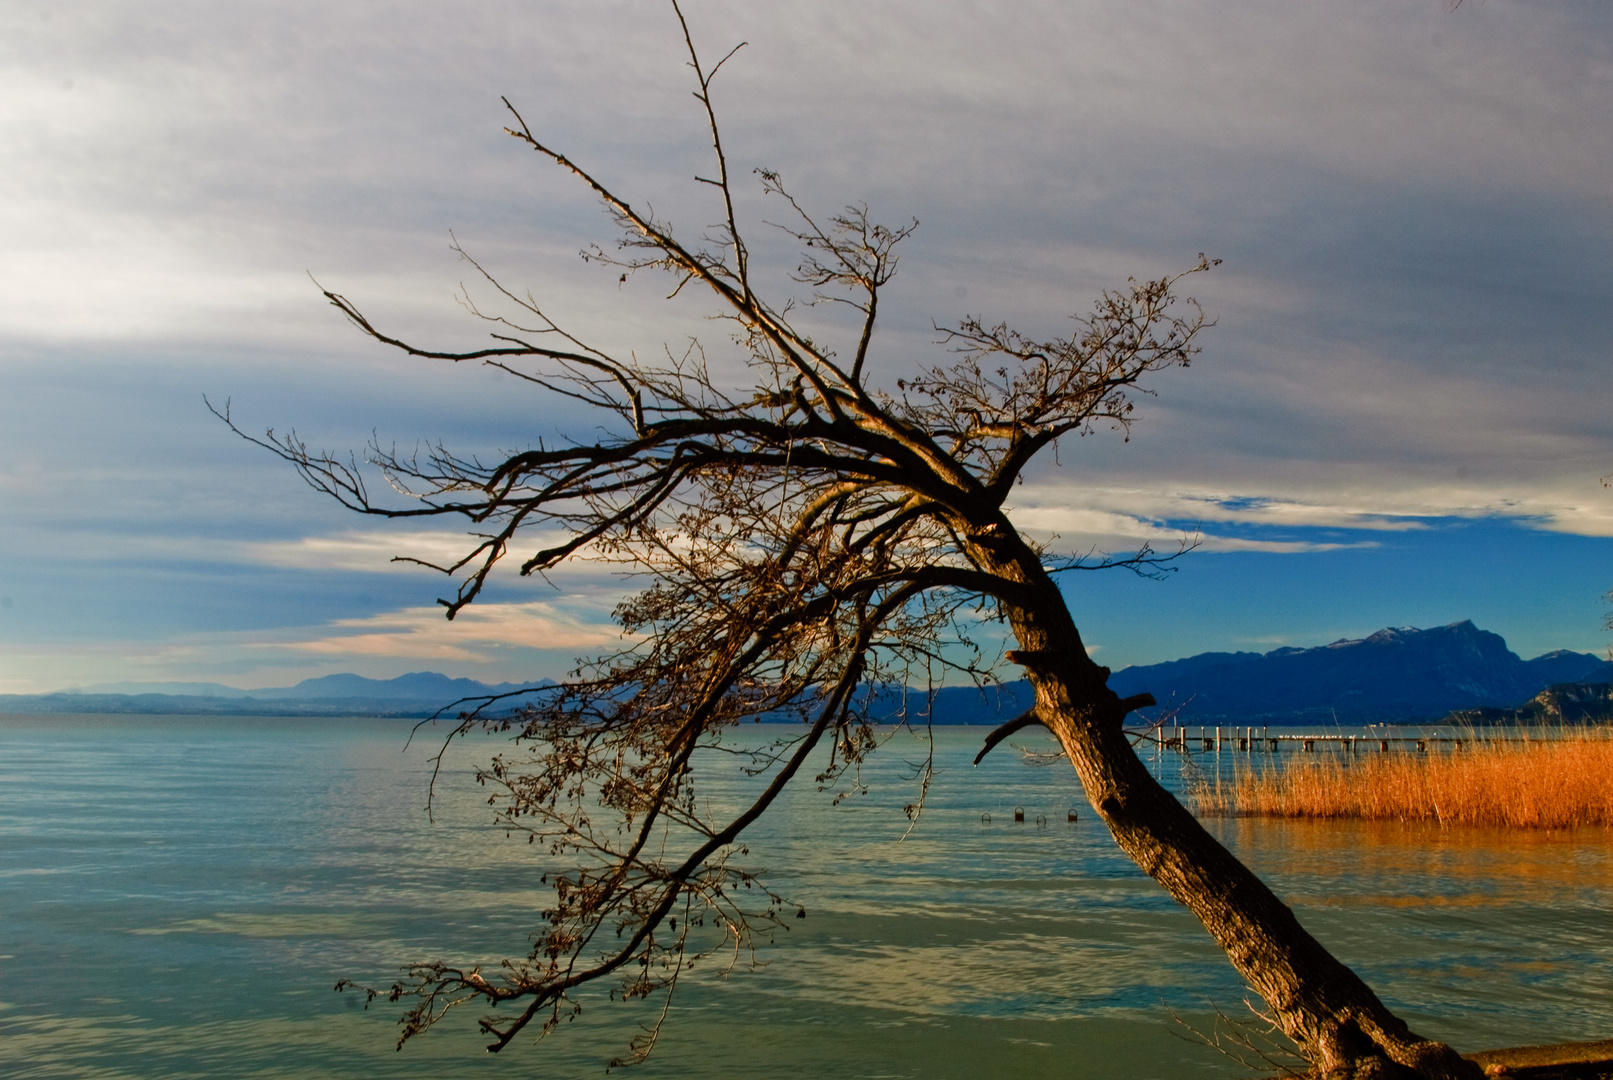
[415, 685]
[1561, 703]
[1397, 674]
[417, 694]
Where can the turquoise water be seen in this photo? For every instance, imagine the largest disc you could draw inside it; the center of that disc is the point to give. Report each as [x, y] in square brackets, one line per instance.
[178, 895]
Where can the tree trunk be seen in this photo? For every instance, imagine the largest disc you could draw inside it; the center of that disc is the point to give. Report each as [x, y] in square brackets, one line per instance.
[1336, 1020]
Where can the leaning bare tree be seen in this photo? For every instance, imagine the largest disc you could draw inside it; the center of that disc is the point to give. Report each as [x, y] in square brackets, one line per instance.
[804, 542]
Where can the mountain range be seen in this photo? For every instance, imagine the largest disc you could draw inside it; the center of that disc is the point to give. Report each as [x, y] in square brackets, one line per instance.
[416, 685]
[418, 694]
[1395, 675]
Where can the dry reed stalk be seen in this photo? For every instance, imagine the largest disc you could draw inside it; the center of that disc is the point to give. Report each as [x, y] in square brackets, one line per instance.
[1543, 784]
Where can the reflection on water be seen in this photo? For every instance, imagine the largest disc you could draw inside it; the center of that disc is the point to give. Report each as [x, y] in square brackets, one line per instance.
[180, 894]
[1510, 865]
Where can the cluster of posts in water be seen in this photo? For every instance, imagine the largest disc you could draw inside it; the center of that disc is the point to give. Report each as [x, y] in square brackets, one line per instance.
[1251, 739]
[1041, 819]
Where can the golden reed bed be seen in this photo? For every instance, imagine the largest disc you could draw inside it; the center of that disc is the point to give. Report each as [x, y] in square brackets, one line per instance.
[1543, 784]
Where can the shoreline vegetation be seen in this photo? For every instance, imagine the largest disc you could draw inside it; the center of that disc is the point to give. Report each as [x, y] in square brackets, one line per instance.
[1547, 783]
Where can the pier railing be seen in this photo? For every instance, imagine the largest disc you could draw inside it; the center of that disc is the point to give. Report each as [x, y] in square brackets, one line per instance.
[1261, 740]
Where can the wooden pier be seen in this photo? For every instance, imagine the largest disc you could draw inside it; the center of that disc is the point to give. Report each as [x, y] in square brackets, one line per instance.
[1262, 740]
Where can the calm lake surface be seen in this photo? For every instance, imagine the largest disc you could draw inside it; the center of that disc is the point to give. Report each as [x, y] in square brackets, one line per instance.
[178, 895]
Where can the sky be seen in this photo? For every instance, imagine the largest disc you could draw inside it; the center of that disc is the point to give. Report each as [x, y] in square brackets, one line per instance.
[1399, 419]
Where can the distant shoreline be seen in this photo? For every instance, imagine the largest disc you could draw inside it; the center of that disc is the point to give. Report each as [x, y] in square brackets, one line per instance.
[1400, 675]
[301, 710]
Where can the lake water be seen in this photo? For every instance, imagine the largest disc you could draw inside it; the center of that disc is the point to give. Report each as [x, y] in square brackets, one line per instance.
[178, 895]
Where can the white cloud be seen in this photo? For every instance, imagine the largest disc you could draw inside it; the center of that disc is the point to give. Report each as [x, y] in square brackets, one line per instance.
[1077, 512]
[375, 552]
[425, 634]
[1077, 528]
